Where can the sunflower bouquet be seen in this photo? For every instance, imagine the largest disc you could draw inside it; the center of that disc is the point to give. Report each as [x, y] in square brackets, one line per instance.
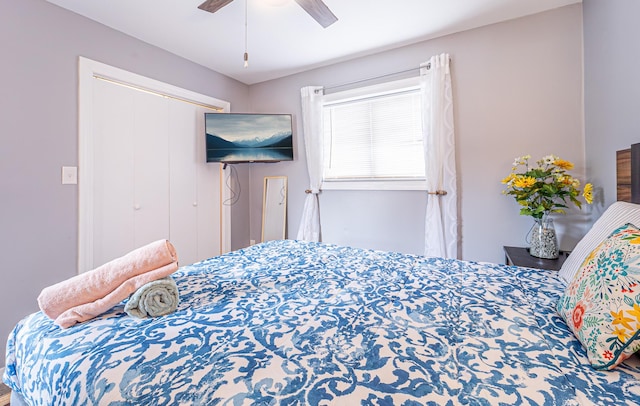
[546, 188]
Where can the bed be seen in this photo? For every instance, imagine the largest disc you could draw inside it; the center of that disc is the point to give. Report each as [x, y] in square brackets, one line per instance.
[299, 323]
[290, 322]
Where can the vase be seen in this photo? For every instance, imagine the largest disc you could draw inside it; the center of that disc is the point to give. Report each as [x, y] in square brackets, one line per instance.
[544, 241]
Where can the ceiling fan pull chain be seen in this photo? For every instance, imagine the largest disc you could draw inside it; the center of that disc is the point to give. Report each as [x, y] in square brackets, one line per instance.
[246, 33]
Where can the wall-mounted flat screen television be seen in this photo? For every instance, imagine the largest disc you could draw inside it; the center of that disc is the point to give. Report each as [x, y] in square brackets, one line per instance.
[242, 137]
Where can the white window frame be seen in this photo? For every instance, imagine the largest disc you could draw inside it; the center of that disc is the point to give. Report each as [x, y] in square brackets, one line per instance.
[382, 184]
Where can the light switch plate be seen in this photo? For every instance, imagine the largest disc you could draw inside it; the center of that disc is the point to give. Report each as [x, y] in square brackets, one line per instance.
[69, 175]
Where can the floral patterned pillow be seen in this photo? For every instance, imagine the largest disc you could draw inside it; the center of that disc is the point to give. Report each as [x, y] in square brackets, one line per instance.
[601, 305]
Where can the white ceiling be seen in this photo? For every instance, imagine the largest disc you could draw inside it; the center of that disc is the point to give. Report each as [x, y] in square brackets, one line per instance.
[284, 40]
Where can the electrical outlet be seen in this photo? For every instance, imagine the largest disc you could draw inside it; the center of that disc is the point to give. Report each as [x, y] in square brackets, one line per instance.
[252, 242]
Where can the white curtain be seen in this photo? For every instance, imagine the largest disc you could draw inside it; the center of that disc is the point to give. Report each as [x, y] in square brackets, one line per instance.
[441, 223]
[312, 133]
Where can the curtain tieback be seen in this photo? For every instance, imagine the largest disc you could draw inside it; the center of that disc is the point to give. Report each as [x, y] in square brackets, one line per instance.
[438, 193]
[314, 191]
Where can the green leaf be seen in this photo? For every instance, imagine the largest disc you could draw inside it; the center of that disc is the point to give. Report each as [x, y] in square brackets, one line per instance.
[628, 301]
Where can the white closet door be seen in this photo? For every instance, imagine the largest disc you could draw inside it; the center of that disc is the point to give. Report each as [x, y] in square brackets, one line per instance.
[151, 179]
[183, 182]
[194, 184]
[113, 183]
[143, 172]
[151, 168]
[210, 194]
[131, 170]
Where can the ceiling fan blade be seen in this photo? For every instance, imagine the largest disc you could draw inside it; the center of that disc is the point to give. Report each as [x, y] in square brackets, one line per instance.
[319, 11]
[213, 5]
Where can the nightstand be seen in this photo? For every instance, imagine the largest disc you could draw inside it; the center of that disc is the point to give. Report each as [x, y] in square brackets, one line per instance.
[520, 256]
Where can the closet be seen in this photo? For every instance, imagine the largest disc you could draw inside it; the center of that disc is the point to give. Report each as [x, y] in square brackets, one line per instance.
[149, 179]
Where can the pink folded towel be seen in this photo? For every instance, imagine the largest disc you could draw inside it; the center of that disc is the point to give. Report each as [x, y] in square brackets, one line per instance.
[90, 294]
[87, 311]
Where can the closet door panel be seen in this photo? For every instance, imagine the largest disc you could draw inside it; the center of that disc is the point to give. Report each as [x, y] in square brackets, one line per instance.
[209, 195]
[151, 168]
[113, 157]
[195, 199]
[183, 222]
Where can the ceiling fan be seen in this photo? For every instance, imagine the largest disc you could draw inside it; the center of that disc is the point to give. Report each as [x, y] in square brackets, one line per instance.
[315, 8]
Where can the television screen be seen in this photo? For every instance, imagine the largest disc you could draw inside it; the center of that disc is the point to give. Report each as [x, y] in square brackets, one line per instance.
[241, 137]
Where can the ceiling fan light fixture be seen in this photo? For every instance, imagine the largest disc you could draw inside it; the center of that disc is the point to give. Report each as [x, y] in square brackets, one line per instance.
[276, 3]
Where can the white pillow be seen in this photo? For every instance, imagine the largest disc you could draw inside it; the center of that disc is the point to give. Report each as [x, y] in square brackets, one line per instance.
[616, 215]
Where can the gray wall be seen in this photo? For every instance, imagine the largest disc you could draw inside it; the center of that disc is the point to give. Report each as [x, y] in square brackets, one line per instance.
[517, 90]
[40, 44]
[611, 86]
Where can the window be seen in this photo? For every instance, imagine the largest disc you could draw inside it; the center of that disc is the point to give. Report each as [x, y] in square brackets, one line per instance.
[373, 138]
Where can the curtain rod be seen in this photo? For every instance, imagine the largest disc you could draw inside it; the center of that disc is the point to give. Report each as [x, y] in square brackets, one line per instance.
[371, 78]
[427, 65]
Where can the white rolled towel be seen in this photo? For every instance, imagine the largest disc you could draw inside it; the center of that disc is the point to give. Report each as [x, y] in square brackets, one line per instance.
[154, 299]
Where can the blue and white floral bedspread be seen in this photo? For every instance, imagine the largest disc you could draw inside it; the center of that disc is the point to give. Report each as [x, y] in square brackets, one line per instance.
[296, 323]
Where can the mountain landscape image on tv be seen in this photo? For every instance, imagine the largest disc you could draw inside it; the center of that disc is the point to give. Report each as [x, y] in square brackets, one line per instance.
[241, 137]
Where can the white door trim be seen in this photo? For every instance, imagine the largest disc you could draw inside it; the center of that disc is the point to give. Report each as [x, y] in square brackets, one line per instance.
[87, 69]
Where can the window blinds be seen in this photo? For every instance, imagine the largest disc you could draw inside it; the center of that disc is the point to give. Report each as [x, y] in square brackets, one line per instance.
[375, 137]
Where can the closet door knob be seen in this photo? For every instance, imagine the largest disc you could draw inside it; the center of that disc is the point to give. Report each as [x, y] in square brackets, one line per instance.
[137, 207]
[195, 204]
